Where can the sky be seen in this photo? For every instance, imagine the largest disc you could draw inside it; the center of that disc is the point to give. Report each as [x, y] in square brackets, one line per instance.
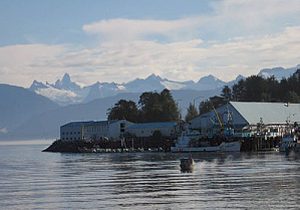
[120, 40]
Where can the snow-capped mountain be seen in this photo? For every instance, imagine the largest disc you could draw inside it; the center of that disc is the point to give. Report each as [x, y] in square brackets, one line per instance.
[102, 90]
[65, 91]
[155, 83]
[236, 80]
[278, 72]
[151, 83]
[208, 83]
[66, 84]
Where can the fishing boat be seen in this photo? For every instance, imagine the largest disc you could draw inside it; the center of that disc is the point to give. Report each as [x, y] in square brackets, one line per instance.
[223, 140]
[289, 143]
[190, 142]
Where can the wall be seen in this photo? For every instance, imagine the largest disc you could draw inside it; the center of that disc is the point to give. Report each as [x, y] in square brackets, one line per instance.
[71, 132]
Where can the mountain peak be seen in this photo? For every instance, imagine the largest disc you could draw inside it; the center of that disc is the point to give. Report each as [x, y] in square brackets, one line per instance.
[208, 78]
[278, 72]
[153, 77]
[66, 83]
[37, 85]
[66, 78]
[239, 77]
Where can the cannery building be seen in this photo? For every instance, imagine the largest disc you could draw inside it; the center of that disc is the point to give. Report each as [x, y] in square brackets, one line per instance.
[94, 130]
[249, 118]
[144, 130]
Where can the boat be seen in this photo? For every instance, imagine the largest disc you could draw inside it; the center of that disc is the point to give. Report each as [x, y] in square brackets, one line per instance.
[289, 143]
[187, 164]
[223, 141]
[191, 143]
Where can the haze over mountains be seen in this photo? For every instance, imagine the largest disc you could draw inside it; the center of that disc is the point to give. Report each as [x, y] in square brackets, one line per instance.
[38, 112]
[278, 72]
[66, 92]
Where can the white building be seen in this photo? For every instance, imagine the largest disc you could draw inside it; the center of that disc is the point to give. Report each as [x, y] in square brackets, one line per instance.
[245, 117]
[93, 130]
[118, 128]
[73, 130]
[96, 130]
[167, 129]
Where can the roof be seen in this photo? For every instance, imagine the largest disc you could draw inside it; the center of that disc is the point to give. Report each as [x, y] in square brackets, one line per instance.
[85, 123]
[153, 125]
[269, 113]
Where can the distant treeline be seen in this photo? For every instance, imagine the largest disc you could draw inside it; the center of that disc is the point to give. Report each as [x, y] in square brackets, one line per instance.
[152, 107]
[160, 107]
[258, 89]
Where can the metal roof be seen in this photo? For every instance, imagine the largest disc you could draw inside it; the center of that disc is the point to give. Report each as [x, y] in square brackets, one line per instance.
[154, 125]
[85, 123]
[270, 113]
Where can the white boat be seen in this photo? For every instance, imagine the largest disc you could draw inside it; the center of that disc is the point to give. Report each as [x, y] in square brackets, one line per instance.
[184, 144]
[289, 143]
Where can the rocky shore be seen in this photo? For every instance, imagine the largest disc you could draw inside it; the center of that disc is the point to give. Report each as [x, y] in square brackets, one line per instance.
[83, 146]
[70, 146]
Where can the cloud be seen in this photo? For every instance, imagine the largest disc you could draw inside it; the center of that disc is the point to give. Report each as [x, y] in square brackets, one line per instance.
[255, 17]
[127, 29]
[228, 19]
[237, 37]
[17, 63]
[184, 60]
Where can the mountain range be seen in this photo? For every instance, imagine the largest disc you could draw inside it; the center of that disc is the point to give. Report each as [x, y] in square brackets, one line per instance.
[278, 72]
[65, 91]
[38, 112]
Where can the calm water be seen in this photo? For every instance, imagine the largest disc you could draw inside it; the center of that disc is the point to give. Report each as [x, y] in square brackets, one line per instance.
[30, 179]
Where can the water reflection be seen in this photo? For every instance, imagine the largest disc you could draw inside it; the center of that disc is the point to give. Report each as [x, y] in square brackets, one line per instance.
[31, 179]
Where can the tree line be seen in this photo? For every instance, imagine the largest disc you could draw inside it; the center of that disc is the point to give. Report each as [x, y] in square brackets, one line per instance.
[160, 107]
[151, 107]
[253, 88]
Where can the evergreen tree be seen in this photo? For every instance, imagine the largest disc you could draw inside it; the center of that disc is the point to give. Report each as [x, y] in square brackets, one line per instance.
[255, 88]
[238, 90]
[226, 93]
[191, 112]
[211, 103]
[169, 106]
[124, 110]
[157, 107]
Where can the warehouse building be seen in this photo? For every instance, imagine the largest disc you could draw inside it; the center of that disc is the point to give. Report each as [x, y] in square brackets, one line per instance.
[249, 118]
[93, 130]
[144, 130]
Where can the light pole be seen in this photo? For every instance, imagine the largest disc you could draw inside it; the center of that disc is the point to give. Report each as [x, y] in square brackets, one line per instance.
[179, 107]
[194, 100]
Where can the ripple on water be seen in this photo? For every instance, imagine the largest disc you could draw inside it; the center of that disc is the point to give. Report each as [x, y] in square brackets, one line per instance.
[31, 179]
